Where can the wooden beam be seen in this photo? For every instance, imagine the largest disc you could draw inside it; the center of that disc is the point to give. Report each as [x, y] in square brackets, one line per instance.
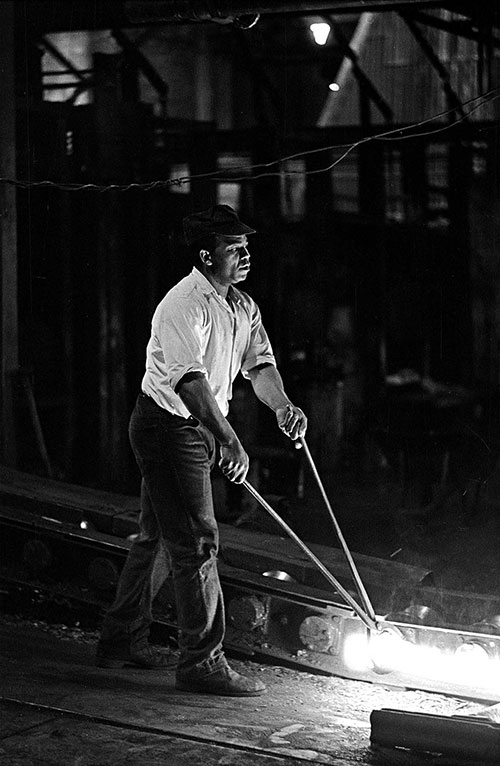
[8, 238]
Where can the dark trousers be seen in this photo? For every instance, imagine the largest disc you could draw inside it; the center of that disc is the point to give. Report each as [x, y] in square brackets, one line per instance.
[177, 522]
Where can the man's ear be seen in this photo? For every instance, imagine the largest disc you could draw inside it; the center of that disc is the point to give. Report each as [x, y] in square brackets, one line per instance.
[205, 257]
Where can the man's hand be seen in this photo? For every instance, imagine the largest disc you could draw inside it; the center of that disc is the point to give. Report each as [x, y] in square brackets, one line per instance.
[233, 461]
[292, 421]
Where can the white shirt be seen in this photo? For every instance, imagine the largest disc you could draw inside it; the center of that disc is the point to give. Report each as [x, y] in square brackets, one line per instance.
[195, 330]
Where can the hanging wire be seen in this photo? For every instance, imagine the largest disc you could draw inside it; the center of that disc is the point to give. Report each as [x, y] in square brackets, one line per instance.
[395, 134]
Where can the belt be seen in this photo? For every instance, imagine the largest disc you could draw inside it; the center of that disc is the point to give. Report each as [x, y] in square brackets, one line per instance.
[189, 419]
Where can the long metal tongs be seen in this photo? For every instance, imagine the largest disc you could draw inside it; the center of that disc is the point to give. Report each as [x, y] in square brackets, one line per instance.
[367, 605]
[368, 617]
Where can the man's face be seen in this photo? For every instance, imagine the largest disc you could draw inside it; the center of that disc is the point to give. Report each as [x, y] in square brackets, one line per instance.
[230, 259]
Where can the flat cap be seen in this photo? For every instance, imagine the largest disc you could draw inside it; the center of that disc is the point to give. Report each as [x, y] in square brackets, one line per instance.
[218, 219]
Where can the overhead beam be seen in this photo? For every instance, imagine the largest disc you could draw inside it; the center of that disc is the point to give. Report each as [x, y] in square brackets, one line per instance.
[461, 28]
[356, 44]
[56, 53]
[135, 55]
[262, 83]
[364, 81]
[452, 98]
[154, 11]
[44, 16]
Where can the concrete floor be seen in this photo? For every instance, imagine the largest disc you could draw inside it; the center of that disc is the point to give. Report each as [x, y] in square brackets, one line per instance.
[127, 717]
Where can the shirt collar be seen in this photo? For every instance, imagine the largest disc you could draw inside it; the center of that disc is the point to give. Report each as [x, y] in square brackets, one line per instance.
[208, 287]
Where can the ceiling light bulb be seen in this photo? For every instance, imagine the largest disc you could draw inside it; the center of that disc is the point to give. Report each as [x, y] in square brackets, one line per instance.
[320, 32]
[334, 86]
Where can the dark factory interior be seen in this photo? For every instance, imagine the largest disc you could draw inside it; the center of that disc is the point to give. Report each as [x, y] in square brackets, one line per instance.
[360, 139]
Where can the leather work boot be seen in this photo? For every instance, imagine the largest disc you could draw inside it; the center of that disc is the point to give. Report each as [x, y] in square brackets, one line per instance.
[112, 654]
[222, 681]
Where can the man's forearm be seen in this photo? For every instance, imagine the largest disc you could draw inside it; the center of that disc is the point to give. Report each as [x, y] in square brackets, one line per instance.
[200, 401]
[268, 386]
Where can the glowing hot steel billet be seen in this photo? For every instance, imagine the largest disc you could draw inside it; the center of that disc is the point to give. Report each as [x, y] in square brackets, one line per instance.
[357, 579]
[368, 620]
[384, 646]
[471, 664]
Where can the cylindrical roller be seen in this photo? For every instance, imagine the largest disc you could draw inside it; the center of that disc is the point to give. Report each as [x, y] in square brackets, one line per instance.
[247, 612]
[319, 633]
[417, 614]
[490, 624]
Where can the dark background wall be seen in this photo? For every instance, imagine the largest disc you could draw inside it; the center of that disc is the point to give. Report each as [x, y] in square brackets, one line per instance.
[376, 271]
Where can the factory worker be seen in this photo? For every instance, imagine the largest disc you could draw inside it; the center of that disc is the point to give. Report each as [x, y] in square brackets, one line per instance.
[204, 332]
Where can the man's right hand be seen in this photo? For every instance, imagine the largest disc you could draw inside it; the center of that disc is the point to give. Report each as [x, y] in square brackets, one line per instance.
[234, 461]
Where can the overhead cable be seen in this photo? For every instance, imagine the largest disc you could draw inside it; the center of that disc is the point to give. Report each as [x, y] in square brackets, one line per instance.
[396, 134]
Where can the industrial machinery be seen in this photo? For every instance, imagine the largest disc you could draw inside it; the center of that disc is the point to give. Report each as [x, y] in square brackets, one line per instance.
[69, 543]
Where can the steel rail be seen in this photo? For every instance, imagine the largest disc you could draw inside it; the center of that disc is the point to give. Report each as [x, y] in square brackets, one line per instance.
[144, 728]
[365, 599]
[369, 620]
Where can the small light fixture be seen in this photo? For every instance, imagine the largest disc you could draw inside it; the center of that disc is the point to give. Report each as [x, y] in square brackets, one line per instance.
[334, 86]
[320, 32]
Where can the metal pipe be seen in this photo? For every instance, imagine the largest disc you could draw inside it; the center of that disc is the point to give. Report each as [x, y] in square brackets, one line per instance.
[368, 619]
[354, 571]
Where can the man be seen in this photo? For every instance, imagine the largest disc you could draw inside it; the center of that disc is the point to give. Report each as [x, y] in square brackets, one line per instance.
[204, 332]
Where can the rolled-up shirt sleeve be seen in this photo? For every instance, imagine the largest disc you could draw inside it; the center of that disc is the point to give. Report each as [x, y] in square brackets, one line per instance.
[179, 330]
[259, 349]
